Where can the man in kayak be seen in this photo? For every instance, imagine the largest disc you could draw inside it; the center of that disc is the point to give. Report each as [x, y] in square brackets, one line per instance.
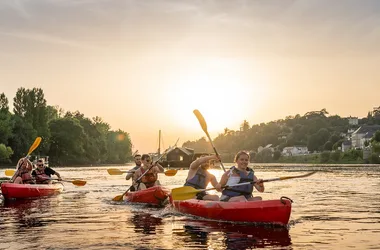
[150, 179]
[239, 174]
[133, 170]
[199, 177]
[23, 173]
[43, 174]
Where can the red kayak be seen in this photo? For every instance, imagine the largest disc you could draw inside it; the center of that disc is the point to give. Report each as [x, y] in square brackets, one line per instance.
[29, 191]
[268, 211]
[154, 196]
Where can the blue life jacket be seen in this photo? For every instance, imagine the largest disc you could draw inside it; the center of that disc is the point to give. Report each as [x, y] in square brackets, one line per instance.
[199, 179]
[245, 190]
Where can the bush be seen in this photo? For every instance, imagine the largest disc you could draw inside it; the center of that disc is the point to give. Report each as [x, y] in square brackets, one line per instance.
[335, 156]
[325, 156]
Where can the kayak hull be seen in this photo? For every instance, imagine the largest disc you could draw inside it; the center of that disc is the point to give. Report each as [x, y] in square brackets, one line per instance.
[29, 191]
[268, 211]
[154, 196]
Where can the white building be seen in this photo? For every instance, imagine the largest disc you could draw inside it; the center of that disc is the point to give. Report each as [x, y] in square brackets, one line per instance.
[363, 134]
[296, 150]
[353, 121]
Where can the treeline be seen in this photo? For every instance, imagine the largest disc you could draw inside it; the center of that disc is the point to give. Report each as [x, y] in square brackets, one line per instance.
[315, 130]
[67, 137]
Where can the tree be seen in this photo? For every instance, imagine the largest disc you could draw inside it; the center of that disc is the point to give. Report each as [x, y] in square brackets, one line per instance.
[5, 153]
[244, 126]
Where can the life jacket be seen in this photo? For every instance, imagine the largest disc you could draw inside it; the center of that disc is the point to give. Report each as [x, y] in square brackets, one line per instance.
[199, 180]
[41, 176]
[149, 178]
[25, 176]
[245, 190]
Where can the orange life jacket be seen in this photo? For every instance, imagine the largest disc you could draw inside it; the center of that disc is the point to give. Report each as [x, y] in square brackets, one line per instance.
[41, 177]
[149, 178]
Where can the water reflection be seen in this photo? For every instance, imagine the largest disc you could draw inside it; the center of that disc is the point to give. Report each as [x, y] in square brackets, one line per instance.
[216, 235]
[145, 223]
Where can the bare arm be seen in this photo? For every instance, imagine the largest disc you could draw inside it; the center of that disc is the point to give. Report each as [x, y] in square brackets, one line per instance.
[195, 164]
[213, 181]
[129, 176]
[223, 181]
[160, 168]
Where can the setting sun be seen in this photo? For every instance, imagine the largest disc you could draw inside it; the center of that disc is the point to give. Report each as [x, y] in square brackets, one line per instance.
[218, 89]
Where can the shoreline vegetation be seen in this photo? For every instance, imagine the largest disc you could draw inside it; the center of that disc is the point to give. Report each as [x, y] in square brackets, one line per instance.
[71, 139]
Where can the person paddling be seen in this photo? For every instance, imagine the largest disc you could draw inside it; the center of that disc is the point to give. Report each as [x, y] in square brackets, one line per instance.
[43, 174]
[150, 179]
[239, 174]
[23, 173]
[133, 170]
[199, 177]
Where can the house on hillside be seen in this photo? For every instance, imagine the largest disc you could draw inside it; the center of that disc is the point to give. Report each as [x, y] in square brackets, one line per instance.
[180, 157]
[346, 145]
[363, 134]
[295, 150]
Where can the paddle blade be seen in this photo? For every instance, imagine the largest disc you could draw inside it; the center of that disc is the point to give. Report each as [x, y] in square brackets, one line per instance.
[201, 120]
[9, 172]
[114, 171]
[35, 144]
[118, 198]
[184, 193]
[171, 172]
[79, 183]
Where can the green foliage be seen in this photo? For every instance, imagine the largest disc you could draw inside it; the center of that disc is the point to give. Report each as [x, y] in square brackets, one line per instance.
[374, 158]
[276, 155]
[328, 146]
[5, 153]
[325, 156]
[336, 155]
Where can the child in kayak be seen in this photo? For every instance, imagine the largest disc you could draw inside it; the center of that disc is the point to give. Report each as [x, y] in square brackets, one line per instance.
[43, 174]
[150, 179]
[23, 173]
[198, 177]
[239, 174]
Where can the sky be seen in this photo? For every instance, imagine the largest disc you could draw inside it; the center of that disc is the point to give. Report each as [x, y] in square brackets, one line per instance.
[144, 66]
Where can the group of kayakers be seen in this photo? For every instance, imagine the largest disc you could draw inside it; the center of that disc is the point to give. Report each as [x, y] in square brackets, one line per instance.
[199, 177]
[29, 173]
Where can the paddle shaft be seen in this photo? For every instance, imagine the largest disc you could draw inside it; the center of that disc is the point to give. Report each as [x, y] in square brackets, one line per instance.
[266, 180]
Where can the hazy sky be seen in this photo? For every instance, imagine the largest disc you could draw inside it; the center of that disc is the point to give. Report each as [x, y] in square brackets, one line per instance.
[145, 65]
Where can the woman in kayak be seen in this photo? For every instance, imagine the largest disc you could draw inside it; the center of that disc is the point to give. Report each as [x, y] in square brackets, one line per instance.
[150, 179]
[23, 173]
[43, 174]
[198, 177]
[239, 174]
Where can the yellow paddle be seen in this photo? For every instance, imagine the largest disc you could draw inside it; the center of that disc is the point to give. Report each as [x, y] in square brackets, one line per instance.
[10, 172]
[115, 171]
[120, 197]
[203, 124]
[187, 192]
[79, 183]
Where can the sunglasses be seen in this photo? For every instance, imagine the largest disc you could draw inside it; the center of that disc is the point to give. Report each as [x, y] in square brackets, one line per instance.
[40, 165]
[147, 160]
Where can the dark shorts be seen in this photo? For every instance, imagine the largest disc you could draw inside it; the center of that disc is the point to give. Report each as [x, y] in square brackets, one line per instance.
[200, 195]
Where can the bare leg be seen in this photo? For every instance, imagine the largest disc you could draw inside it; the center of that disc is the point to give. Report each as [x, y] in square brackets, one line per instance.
[211, 197]
[237, 198]
[255, 198]
[142, 186]
[18, 180]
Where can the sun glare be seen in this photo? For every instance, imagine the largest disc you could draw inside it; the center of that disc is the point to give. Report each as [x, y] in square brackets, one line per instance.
[218, 89]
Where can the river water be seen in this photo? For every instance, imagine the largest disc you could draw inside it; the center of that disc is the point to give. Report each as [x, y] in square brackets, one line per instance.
[336, 208]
